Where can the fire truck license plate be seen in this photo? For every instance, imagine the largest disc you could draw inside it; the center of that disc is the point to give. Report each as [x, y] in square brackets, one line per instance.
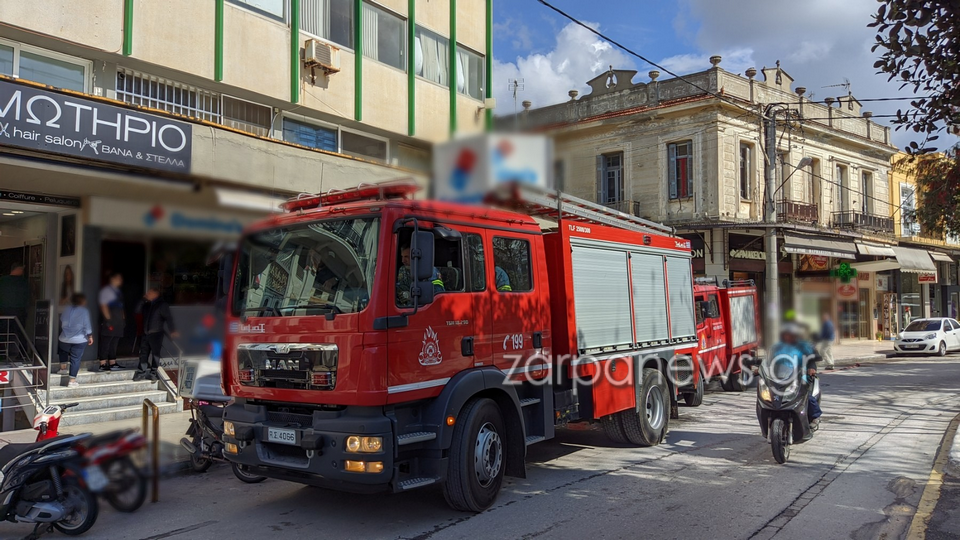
[283, 436]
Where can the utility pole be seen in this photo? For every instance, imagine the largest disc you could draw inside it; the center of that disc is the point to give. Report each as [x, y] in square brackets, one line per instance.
[772, 289]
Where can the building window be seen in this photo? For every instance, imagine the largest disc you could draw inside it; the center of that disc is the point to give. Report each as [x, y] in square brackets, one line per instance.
[840, 201]
[246, 116]
[323, 138]
[680, 173]
[866, 192]
[907, 208]
[470, 73]
[363, 146]
[331, 20]
[746, 171]
[157, 93]
[44, 67]
[384, 37]
[610, 178]
[432, 57]
[511, 260]
[275, 9]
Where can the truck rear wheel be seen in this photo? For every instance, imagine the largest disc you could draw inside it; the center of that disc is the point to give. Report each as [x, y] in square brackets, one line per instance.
[695, 398]
[476, 460]
[613, 429]
[648, 426]
[733, 382]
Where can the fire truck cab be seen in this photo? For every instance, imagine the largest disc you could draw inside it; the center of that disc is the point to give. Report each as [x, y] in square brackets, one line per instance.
[377, 342]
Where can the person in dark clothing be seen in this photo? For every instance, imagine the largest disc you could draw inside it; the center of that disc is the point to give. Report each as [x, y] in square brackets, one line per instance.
[156, 320]
[113, 323]
[15, 294]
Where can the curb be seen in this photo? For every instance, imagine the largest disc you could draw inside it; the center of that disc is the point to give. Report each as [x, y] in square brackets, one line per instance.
[952, 466]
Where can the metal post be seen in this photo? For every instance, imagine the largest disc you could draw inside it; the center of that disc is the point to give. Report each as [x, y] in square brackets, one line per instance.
[772, 288]
[154, 447]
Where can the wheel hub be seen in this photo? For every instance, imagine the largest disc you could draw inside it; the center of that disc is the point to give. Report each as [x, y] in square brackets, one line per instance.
[488, 455]
[655, 409]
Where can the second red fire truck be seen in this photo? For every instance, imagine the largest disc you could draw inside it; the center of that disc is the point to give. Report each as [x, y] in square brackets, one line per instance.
[382, 343]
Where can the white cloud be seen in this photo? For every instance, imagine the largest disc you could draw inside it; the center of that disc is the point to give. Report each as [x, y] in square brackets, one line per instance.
[578, 56]
[734, 60]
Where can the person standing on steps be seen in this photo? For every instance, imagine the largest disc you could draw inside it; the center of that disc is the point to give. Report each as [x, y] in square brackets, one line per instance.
[114, 322]
[156, 320]
[75, 334]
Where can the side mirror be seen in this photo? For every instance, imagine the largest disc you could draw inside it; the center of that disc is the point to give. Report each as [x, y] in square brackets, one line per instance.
[422, 267]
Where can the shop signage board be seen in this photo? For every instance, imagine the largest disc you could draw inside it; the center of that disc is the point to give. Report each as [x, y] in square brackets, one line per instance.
[188, 221]
[36, 119]
[883, 283]
[38, 198]
[927, 278]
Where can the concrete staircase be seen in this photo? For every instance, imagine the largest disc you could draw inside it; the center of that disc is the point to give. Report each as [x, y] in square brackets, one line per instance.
[108, 395]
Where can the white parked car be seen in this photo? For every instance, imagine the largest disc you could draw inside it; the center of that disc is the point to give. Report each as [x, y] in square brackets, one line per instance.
[928, 336]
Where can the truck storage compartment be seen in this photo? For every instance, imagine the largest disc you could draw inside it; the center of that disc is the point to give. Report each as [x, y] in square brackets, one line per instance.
[743, 320]
[601, 293]
[683, 324]
[649, 297]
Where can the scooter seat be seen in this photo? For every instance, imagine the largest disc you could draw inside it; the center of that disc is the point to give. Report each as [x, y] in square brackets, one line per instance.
[11, 451]
[212, 411]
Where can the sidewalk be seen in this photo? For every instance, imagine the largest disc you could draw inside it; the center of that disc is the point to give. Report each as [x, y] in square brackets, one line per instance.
[850, 352]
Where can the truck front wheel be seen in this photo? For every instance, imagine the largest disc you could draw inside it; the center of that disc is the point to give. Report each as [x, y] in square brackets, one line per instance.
[648, 426]
[476, 460]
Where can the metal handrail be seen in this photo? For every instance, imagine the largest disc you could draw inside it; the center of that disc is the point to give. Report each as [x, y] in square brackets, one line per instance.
[26, 349]
[149, 406]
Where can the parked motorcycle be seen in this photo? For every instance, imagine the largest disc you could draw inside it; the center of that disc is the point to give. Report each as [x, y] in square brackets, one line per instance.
[783, 393]
[204, 440]
[107, 457]
[45, 483]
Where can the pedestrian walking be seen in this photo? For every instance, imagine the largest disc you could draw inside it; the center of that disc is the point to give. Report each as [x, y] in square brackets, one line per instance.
[76, 333]
[828, 334]
[156, 320]
[114, 323]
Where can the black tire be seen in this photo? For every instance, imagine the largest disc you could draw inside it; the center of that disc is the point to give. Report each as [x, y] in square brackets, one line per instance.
[649, 427]
[244, 476]
[128, 486]
[733, 382]
[197, 462]
[478, 439]
[82, 508]
[613, 429]
[779, 440]
[942, 350]
[696, 398]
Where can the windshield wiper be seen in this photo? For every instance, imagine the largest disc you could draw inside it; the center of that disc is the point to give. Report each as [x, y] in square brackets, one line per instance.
[334, 310]
[258, 310]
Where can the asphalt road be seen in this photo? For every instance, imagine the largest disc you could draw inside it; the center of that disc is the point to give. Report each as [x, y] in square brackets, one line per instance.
[861, 477]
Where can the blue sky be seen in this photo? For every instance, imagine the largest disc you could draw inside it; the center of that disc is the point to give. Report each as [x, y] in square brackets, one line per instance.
[819, 43]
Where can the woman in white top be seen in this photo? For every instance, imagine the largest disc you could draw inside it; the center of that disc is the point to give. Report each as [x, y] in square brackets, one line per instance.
[75, 334]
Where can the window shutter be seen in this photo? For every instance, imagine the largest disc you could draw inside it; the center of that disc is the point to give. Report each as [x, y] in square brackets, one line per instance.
[600, 179]
[672, 170]
[688, 169]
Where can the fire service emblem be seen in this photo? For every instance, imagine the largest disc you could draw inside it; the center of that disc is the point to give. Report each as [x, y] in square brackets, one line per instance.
[430, 355]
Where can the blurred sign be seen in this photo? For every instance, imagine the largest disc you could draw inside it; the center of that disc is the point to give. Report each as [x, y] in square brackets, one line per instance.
[37, 198]
[846, 290]
[181, 220]
[814, 263]
[4, 377]
[64, 124]
[466, 169]
[927, 278]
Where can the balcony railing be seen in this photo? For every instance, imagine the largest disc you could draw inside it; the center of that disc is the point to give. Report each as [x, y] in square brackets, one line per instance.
[797, 212]
[852, 219]
[627, 207]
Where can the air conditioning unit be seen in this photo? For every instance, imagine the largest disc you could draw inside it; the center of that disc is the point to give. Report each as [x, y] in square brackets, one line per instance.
[318, 54]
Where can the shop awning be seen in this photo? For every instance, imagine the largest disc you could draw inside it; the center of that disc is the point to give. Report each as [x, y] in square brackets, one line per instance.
[875, 250]
[940, 257]
[877, 266]
[916, 261]
[818, 245]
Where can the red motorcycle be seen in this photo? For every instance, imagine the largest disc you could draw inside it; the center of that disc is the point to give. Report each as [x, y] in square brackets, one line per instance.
[108, 468]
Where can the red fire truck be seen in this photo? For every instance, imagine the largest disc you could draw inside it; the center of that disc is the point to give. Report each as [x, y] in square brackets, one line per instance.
[727, 327]
[381, 343]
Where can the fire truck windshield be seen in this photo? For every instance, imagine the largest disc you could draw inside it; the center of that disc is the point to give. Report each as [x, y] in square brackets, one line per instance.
[319, 268]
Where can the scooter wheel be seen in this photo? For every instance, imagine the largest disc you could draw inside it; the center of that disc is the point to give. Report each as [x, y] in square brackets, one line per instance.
[245, 476]
[779, 440]
[81, 506]
[128, 487]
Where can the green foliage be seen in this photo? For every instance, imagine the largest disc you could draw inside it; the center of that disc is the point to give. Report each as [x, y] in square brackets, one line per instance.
[919, 42]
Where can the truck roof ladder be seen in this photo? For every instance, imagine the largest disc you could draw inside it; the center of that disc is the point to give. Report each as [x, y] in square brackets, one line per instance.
[542, 202]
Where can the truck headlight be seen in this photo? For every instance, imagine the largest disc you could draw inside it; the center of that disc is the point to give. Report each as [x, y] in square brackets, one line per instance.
[228, 429]
[363, 445]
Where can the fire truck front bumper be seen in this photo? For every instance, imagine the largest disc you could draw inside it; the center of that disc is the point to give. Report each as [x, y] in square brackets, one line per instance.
[349, 450]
